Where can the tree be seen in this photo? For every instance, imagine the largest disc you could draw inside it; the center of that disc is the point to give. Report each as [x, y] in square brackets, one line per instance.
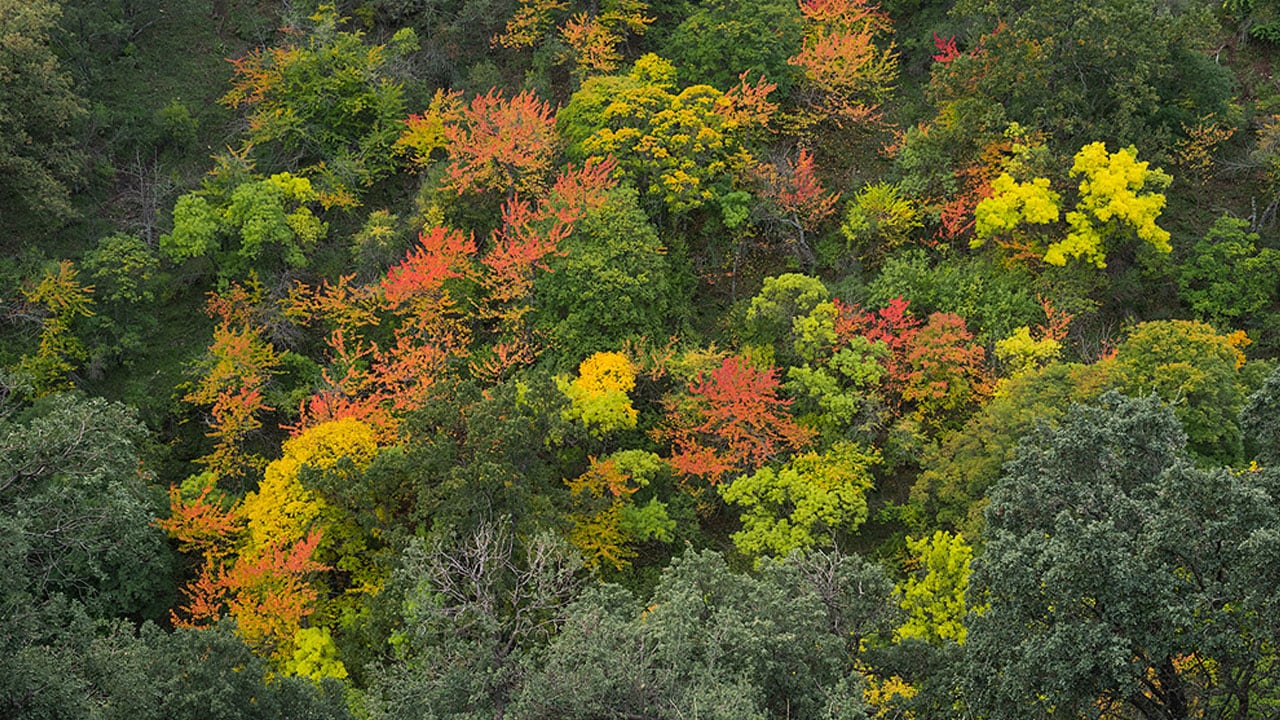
[598, 396]
[1118, 196]
[879, 220]
[778, 313]
[731, 420]
[934, 595]
[946, 377]
[804, 504]
[262, 215]
[684, 149]
[476, 610]
[232, 378]
[326, 97]
[77, 509]
[608, 520]
[592, 32]
[1227, 278]
[62, 300]
[261, 555]
[63, 666]
[1123, 580]
[993, 298]
[845, 75]
[494, 144]
[1260, 421]
[124, 268]
[1194, 369]
[612, 281]
[38, 151]
[957, 473]
[1121, 72]
[723, 39]
[716, 644]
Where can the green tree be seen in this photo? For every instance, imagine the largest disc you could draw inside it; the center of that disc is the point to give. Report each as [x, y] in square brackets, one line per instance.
[1229, 280]
[934, 596]
[1260, 421]
[1121, 71]
[994, 300]
[39, 153]
[476, 610]
[722, 39]
[264, 218]
[961, 468]
[777, 311]
[327, 98]
[611, 282]
[56, 663]
[1122, 579]
[879, 220]
[124, 268]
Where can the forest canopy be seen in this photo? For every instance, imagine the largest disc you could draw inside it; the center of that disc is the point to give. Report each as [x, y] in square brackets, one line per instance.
[639, 359]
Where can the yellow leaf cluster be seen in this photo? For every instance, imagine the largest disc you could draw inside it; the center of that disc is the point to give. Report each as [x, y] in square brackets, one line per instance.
[1013, 203]
[1111, 194]
[598, 396]
[1023, 353]
[606, 372]
[283, 509]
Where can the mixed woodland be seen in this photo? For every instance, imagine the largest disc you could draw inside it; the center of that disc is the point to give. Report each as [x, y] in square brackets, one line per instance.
[587, 359]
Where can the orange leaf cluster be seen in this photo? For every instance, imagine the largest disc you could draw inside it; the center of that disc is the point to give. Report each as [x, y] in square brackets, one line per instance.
[501, 145]
[731, 421]
[846, 74]
[799, 193]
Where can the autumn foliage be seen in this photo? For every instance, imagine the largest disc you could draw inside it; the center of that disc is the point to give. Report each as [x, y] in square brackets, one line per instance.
[846, 75]
[933, 370]
[731, 420]
[232, 378]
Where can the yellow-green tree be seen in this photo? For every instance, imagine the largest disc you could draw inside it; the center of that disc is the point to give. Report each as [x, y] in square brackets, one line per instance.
[803, 504]
[683, 147]
[934, 595]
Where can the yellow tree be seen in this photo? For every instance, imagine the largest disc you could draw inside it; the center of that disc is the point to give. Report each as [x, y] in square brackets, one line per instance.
[61, 299]
[598, 396]
[1118, 197]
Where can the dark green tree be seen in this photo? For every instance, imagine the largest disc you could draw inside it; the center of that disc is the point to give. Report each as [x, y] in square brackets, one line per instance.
[1119, 579]
[76, 507]
[722, 39]
[713, 643]
[613, 282]
[1260, 421]
[1119, 71]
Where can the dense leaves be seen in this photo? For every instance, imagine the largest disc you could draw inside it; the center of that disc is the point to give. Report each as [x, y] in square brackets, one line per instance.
[639, 359]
